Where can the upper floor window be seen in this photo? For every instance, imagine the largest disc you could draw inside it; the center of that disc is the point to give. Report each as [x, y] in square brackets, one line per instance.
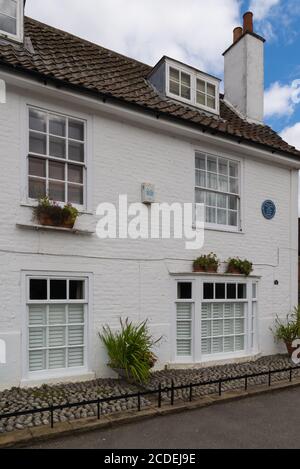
[56, 157]
[193, 87]
[218, 188]
[11, 19]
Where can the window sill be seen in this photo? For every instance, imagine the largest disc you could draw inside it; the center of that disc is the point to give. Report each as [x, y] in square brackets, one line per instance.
[223, 229]
[210, 361]
[38, 378]
[35, 227]
[213, 274]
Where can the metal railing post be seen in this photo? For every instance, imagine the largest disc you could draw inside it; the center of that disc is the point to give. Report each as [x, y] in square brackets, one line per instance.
[51, 416]
[191, 392]
[172, 393]
[246, 383]
[98, 409]
[139, 402]
[291, 374]
[270, 377]
[220, 387]
[159, 395]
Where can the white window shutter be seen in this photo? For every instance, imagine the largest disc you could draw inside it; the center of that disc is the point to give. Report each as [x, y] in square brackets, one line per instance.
[184, 329]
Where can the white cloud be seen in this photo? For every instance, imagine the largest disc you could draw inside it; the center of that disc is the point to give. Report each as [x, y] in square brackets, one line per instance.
[261, 8]
[281, 100]
[292, 135]
[194, 31]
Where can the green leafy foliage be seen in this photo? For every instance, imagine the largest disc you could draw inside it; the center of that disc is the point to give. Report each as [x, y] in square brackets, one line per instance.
[245, 267]
[207, 261]
[130, 349]
[289, 329]
[58, 215]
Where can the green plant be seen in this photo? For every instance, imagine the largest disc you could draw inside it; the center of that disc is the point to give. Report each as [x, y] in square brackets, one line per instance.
[245, 267]
[206, 261]
[286, 331]
[53, 211]
[130, 349]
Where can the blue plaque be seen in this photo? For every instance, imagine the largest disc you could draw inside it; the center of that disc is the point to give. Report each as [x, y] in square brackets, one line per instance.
[268, 209]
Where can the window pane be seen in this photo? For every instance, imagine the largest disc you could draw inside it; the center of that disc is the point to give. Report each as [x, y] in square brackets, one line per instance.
[76, 314]
[185, 92]
[57, 147]
[57, 336]
[76, 288]
[184, 291]
[201, 99]
[37, 120]
[212, 164]
[223, 167]
[9, 7]
[231, 291]
[221, 217]
[174, 74]
[37, 337]
[211, 89]
[223, 183]
[239, 343]
[208, 291]
[75, 335]
[75, 173]
[201, 85]
[201, 178]
[233, 202]
[37, 360]
[56, 170]
[57, 358]
[57, 314]
[229, 327]
[76, 151]
[174, 88]
[57, 125]
[233, 169]
[233, 186]
[200, 196]
[75, 194]
[211, 102]
[206, 346]
[76, 357]
[37, 315]
[210, 215]
[221, 201]
[58, 289]
[38, 289]
[37, 188]
[185, 79]
[57, 191]
[206, 311]
[200, 161]
[228, 344]
[37, 143]
[254, 290]
[76, 130]
[232, 221]
[220, 291]
[212, 181]
[8, 25]
[37, 167]
[239, 326]
[242, 291]
[217, 345]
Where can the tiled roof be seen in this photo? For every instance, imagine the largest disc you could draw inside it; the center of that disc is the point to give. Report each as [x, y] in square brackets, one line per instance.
[61, 56]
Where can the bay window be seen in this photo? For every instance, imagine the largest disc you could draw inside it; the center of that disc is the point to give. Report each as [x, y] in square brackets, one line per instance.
[217, 186]
[215, 318]
[56, 157]
[57, 310]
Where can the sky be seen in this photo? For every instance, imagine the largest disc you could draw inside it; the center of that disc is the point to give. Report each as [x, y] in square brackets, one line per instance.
[195, 32]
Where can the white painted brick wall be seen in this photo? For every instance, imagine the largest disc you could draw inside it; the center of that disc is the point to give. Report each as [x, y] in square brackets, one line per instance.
[131, 278]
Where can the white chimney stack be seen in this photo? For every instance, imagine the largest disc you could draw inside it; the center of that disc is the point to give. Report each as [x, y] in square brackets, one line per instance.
[244, 72]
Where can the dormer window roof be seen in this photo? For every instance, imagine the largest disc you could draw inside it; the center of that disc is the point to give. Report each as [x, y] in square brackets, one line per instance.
[11, 19]
[186, 84]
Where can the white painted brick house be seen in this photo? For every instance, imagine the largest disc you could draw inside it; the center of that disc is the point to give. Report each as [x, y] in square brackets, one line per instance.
[84, 125]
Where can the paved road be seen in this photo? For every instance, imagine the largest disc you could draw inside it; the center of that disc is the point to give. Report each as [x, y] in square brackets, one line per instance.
[267, 421]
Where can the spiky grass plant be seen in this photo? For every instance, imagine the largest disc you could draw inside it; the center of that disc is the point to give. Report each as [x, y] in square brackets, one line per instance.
[130, 349]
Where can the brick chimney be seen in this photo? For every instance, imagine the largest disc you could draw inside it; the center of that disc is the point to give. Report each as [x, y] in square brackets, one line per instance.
[244, 71]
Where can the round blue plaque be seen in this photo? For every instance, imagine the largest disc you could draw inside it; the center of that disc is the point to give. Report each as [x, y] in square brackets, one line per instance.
[268, 209]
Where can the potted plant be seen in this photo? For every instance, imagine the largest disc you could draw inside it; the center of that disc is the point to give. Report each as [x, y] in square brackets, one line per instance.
[289, 330]
[239, 266]
[206, 263]
[50, 213]
[130, 350]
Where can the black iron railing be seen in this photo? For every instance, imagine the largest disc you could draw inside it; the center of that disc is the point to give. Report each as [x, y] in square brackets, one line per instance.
[161, 391]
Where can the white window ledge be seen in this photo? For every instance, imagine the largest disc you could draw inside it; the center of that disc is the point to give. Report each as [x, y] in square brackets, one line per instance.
[212, 274]
[36, 227]
[215, 361]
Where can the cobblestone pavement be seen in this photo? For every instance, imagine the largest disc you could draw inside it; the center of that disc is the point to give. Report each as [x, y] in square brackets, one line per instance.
[19, 399]
[199, 375]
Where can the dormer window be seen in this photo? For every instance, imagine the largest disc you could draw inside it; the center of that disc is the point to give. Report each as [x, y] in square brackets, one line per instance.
[186, 84]
[11, 19]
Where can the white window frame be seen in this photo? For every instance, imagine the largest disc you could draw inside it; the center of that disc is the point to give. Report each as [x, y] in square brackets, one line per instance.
[251, 333]
[62, 372]
[20, 25]
[43, 105]
[216, 226]
[194, 76]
